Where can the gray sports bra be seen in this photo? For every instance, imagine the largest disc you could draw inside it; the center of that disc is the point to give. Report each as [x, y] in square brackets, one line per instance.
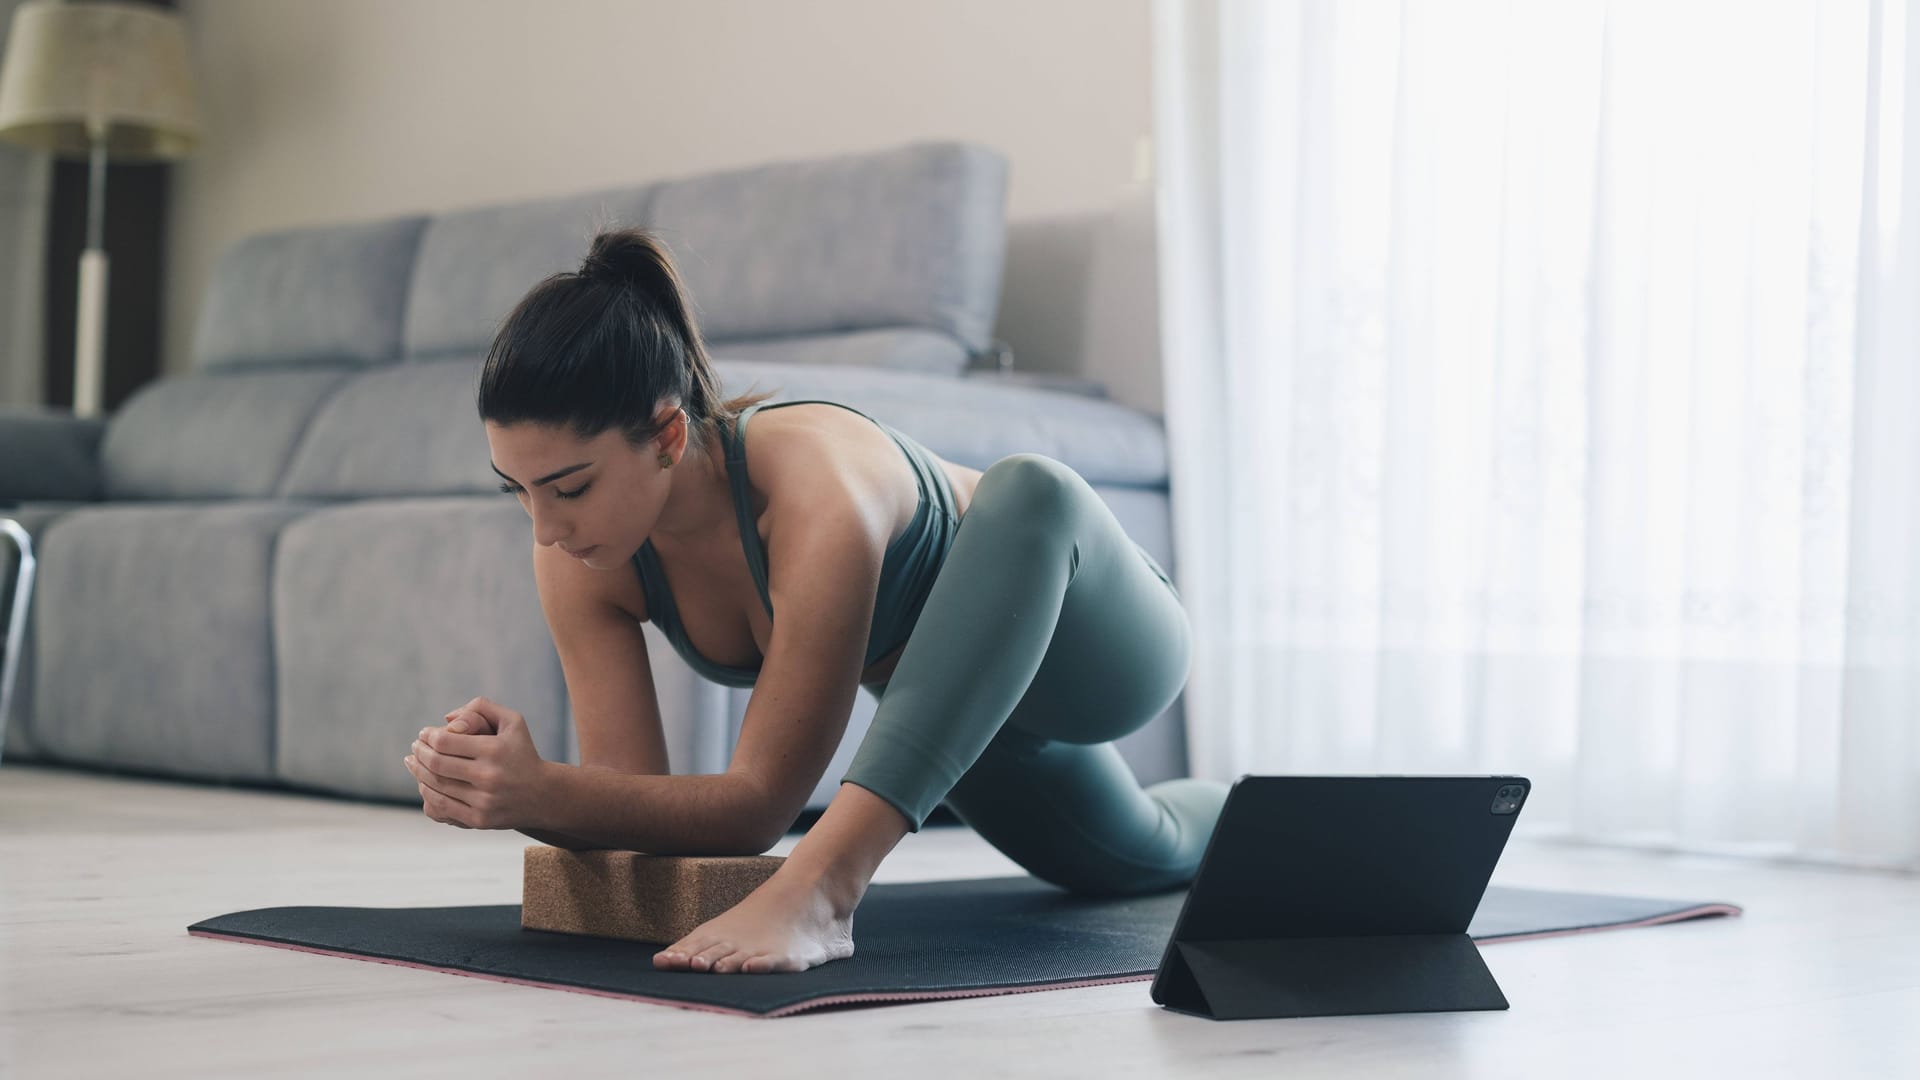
[906, 575]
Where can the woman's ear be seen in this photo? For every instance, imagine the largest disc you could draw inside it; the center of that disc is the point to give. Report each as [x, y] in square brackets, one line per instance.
[672, 422]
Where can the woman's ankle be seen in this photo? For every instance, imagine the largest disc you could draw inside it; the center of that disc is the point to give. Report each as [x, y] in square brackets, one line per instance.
[840, 888]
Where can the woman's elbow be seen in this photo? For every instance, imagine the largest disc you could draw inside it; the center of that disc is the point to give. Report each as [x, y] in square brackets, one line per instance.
[761, 840]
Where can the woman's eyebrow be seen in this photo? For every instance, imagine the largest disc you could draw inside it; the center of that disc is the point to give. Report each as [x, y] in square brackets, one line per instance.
[547, 479]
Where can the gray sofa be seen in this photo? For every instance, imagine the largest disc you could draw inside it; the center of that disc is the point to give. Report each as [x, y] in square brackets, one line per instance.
[275, 569]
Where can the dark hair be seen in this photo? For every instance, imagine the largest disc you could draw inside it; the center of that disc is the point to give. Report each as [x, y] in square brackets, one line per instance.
[604, 346]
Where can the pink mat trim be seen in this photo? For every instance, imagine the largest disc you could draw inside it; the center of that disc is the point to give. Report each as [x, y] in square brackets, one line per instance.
[1672, 916]
[929, 995]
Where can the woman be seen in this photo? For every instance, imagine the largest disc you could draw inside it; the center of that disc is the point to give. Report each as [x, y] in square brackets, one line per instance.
[1039, 631]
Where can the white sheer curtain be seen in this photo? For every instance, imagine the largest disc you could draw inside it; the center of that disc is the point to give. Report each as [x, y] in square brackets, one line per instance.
[1540, 382]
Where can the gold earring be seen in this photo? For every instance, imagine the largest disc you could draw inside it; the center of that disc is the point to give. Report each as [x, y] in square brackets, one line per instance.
[666, 461]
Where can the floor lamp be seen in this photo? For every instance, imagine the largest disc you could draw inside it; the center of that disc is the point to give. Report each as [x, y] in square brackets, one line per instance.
[97, 80]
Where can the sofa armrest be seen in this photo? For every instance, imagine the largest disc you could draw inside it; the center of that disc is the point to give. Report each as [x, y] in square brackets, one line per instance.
[48, 454]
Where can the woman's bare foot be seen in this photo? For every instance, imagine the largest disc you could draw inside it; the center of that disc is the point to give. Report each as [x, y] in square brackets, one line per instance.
[802, 916]
[784, 925]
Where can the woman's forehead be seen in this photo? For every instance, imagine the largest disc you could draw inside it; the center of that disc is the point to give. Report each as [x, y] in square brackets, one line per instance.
[538, 441]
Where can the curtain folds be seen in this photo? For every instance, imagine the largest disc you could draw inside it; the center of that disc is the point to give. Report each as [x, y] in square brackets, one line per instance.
[1540, 383]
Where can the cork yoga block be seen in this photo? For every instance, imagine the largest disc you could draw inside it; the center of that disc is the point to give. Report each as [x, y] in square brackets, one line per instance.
[624, 894]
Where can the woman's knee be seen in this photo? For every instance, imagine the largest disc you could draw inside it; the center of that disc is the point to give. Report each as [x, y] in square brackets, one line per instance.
[1030, 488]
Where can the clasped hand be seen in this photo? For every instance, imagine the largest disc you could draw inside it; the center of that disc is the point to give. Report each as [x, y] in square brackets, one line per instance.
[481, 771]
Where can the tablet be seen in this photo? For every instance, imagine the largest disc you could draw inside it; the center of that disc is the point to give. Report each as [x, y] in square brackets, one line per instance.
[1333, 895]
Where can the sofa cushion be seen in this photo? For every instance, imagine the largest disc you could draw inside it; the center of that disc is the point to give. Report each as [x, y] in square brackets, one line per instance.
[914, 236]
[476, 264]
[412, 429]
[407, 430]
[211, 435]
[331, 294]
[48, 454]
[389, 613]
[927, 351]
[900, 239]
[154, 638]
[976, 422]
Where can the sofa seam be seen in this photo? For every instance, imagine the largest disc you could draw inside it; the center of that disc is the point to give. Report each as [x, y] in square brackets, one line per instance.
[273, 647]
[299, 442]
[300, 511]
[394, 358]
[406, 298]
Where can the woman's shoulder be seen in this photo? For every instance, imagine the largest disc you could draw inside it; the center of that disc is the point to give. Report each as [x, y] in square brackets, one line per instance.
[806, 454]
[569, 586]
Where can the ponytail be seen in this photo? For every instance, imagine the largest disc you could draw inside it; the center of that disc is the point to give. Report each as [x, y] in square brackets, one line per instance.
[604, 346]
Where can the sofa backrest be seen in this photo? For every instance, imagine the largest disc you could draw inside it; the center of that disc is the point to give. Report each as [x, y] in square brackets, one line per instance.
[329, 296]
[901, 239]
[340, 360]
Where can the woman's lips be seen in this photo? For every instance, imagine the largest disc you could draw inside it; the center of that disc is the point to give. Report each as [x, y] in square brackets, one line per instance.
[584, 552]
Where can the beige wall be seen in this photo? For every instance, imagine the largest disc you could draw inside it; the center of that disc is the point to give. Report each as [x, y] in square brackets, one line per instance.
[357, 109]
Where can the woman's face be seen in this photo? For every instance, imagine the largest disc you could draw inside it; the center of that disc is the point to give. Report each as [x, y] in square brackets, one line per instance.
[596, 499]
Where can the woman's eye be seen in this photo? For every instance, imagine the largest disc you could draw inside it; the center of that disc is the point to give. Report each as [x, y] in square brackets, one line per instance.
[509, 489]
[575, 493]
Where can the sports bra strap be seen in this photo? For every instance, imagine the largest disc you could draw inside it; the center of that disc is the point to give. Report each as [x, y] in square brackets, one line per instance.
[743, 505]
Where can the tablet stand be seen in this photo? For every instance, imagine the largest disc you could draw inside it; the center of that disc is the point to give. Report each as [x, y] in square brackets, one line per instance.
[1264, 978]
[1341, 896]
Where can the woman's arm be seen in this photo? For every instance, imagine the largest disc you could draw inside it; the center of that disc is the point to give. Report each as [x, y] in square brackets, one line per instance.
[560, 839]
[571, 843]
[492, 777]
[603, 656]
[595, 618]
[589, 808]
[824, 576]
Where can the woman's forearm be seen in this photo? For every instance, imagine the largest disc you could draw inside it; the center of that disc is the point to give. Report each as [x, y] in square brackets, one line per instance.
[719, 814]
[558, 839]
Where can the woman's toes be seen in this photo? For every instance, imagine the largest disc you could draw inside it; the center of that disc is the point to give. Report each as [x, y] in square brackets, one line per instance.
[680, 954]
[707, 957]
[728, 963]
[758, 965]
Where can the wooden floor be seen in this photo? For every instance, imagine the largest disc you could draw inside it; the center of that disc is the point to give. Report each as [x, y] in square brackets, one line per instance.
[100, 876]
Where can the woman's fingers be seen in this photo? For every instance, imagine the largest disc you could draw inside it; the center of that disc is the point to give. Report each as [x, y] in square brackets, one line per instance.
[494, 713]
[448, 744]
[442, 809]
[482, 717]
[455, 772]
[472, 723]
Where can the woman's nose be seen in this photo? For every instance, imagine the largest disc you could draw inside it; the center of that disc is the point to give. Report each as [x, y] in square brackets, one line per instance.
[548, 531]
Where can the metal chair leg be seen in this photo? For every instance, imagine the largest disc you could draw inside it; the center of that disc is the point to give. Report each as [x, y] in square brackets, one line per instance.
[16, 641]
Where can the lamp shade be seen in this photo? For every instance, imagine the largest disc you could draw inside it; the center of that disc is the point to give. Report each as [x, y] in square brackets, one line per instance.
[118, 69]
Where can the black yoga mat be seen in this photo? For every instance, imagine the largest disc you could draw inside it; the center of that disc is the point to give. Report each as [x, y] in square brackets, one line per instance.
[913, 942]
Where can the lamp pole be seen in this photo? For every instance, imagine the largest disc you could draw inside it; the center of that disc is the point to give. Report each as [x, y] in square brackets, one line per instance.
[90, 335]
[73, 75]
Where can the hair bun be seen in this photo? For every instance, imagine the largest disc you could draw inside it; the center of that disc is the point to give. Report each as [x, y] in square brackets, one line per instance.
[624, 257]
[600, 266]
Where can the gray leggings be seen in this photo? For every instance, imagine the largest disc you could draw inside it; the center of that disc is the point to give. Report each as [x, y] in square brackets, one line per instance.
[1047, 634]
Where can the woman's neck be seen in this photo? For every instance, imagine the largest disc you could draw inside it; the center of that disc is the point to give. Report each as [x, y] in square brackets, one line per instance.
[699, 505]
